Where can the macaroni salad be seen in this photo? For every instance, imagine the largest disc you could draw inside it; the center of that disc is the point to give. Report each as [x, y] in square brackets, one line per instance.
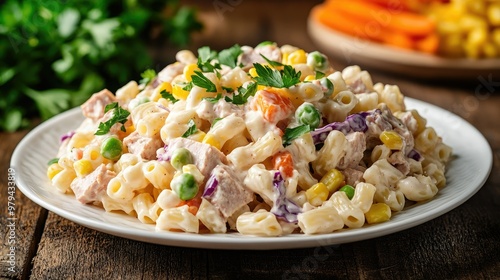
[263, 140]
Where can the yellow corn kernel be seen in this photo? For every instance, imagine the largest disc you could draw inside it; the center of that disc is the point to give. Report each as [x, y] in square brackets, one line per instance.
[178, 92]
[391, 139]
[309, 78]
[333, 180]
[493, 13]
[253, 72]
[317, 194]
[477, 36]
[82, 167]
[165, 86]
[189, 71]
[284, 58]
[198, 136]
[297, 57]
[211, 139]
[129, 129]
[53, 170]
[379, 212]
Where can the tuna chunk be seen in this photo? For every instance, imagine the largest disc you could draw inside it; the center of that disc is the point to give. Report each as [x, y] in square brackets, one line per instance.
[90, 188]
[250, 55]
[94, 107]
[143, 146]
[356, 145]
[230, 193]
[205, 156]
[353, 176]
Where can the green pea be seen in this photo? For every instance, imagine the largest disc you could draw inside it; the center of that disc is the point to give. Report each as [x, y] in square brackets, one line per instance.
[318, 61]
[308, 114]
[326, 83]
[184, 186]
[112, 148]
[349, 191]
[181, 157]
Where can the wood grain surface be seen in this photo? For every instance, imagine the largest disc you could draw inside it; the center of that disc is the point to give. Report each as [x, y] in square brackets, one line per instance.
[462, 244]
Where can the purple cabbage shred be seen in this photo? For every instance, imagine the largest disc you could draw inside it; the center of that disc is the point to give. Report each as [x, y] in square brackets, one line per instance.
[414, 154]
[210, 186]
[354, 122]
[67, 136]
[284, 207]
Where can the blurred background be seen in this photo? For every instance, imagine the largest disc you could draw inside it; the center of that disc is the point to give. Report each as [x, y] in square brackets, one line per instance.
[55, 54]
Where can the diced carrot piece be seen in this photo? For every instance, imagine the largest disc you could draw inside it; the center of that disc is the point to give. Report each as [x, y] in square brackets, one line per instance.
[273, 106]
[283, 162]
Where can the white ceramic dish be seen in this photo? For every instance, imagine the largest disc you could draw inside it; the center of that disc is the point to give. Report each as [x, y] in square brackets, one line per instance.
[466, 174]
[351, 50]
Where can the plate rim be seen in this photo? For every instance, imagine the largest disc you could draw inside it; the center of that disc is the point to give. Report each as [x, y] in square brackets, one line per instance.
[236, 241]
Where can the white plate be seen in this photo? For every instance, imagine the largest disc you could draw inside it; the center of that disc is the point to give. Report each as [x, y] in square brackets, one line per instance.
[351, 50]
[466, 174]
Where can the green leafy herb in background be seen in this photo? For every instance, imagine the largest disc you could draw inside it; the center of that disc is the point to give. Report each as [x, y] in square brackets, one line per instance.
[55, 54]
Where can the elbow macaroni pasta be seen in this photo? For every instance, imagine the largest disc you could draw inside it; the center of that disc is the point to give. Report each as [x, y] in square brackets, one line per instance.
[253, 161]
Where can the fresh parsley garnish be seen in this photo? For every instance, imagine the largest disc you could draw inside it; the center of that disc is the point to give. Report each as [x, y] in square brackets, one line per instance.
[188, 86]
[294, 133]
[272, 62]
[229, 56]
[205, 57]
[200, 80]
[191, 129]
[120, 115]
[52, 161]
[227, 89]
[215, 121]
[319, 75]
[279, 79]
[243, 94]
[147, 76]
[167, 95]
[213, 99]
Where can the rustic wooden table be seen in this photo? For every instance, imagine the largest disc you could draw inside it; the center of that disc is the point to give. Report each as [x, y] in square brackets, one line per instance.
[461, 244]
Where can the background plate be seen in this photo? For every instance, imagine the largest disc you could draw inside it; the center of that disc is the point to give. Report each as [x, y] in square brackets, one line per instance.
[351, 50]
[466, 173]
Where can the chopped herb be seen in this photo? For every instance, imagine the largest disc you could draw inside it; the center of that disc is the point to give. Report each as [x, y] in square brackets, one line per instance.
[120, 115]
[52, 161]
[319, 75]
[294, 133]
[188, 86]
[167, 95]
[205, 57]
[290, 76]
[280, 79]
[200, 80]
[228, 89]
[213, 99]
[229, 56]
[147, 76]
[191, 129]
[272, 62]
[244, 94]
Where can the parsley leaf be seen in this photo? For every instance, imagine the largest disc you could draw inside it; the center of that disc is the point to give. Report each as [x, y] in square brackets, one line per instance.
[191, 129]
[147, 76]
[205, 57]
[294, 133]
[200, 80]
[213, 99]
[244, 94]
[267, 76]
[272, 62]
[319, 75]
[120, 115]
[290, 76]
[279, 79]
[52, 161]
[167, 95]
[188, 86]
[229, 56]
